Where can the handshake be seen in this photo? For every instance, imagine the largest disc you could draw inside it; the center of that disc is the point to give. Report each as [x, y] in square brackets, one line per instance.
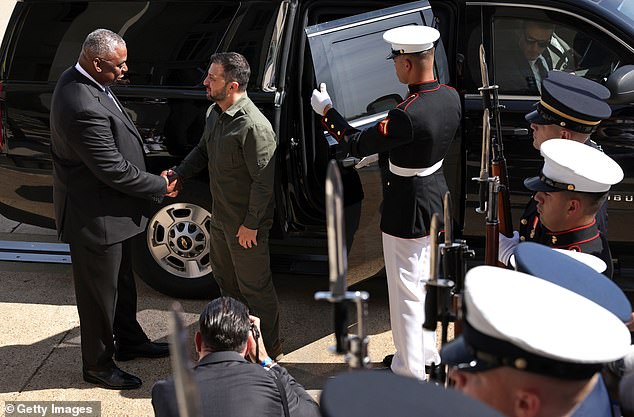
[174, 182]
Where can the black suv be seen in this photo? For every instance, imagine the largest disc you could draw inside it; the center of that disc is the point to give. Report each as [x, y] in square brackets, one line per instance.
[291, 44]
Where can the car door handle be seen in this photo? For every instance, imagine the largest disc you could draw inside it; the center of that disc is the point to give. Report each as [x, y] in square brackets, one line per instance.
[514, 131]
[155, 100]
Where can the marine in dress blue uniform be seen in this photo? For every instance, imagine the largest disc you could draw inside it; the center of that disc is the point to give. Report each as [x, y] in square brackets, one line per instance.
[537, 260]
[585, 175]
[417, 135]
[572, 106]
[538, 350]
[362, 394]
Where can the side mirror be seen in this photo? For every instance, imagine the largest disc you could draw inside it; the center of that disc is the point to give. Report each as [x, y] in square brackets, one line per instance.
[384, 103]
[621, 85]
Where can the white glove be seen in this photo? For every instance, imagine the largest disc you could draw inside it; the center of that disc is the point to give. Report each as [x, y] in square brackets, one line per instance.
[507, 246]
[320, 99]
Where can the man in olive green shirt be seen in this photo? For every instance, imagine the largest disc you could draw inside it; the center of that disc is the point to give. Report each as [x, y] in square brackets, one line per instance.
[238, 148]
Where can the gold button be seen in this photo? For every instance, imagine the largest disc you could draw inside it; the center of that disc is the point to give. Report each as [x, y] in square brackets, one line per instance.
[524, 221]
[338, 132]
[332, 126]
[522, 238]
[326, 119]
[520, 363]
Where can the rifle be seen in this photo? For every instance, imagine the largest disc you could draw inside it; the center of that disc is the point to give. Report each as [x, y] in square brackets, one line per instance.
[355, 347]
[454, 254]
[498, 161]
[187, 393]
[443, 301]
[492, 223]
[437, 299]
[498, 206]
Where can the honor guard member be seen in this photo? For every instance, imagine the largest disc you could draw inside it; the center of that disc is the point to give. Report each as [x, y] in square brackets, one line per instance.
[417, 135]
[571, 107]
[573, 184]
[537, 260]
[626, 395]
[537, 353]
[362, 394]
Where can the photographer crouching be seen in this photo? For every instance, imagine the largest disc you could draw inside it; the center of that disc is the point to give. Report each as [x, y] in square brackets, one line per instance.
[234, 374]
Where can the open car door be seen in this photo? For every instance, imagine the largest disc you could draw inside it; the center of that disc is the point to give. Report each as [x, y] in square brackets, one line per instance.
[349, 55]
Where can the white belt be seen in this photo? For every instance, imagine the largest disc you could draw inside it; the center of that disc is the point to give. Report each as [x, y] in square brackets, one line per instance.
[415, 172]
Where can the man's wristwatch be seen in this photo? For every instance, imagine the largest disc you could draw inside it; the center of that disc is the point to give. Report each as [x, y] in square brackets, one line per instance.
[268, 362]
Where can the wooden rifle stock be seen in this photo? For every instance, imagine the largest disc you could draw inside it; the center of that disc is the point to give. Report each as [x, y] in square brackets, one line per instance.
[492, 224]
[491, 254]
[498, 169]
[498, 216]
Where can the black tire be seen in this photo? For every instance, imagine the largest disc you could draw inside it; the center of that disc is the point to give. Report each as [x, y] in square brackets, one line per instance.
[167, 270]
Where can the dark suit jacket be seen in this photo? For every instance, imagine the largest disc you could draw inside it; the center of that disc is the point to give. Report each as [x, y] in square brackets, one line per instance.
[102, 193]
[230, 386]
[513, 72]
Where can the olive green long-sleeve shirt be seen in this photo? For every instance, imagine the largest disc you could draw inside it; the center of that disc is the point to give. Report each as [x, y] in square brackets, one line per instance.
[238, 147]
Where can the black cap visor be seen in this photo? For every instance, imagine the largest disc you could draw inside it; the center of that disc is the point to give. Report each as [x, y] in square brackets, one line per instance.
[536, 184]
[395, 53]
[458, 354]
[536, 118]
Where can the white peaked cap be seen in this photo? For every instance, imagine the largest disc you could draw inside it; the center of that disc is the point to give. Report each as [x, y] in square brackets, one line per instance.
[542, 319]
[411, 39]
[574, 166]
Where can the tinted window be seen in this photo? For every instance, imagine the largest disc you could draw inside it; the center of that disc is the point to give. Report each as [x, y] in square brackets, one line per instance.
[250, 37]
[622, 8]
[351, 59]
[526, 46]
[168, 43]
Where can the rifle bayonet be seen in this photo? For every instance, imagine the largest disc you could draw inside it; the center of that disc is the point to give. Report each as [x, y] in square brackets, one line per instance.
[187, 394]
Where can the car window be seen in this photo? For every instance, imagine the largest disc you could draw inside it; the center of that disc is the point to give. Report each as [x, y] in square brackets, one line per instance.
[350, 56]
[250, 35]
[169, 43]
[528, 45]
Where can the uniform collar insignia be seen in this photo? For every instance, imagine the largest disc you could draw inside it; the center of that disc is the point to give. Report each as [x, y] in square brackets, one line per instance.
[574, 236]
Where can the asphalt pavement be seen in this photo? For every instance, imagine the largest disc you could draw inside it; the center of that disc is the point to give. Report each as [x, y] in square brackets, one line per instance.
[40, 343]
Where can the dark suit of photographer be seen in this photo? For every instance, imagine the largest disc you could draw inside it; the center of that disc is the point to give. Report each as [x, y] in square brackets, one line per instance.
[229, 385]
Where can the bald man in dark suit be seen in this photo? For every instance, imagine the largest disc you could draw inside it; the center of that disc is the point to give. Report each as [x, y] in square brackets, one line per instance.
[102, 197]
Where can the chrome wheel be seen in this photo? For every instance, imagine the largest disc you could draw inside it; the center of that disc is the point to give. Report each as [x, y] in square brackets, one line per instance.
[178, 239]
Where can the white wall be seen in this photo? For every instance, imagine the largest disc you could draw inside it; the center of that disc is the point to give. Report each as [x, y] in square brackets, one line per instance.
[6, 8]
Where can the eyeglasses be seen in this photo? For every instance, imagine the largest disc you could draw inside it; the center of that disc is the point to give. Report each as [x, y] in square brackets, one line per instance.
[119, 66]
[541, 43]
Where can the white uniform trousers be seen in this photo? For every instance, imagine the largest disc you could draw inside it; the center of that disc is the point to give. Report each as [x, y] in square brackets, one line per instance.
[407, 269]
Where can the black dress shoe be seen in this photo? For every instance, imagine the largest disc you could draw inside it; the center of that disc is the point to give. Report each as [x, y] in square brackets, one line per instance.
[387, 360]
[112, 379]
[144, 350]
